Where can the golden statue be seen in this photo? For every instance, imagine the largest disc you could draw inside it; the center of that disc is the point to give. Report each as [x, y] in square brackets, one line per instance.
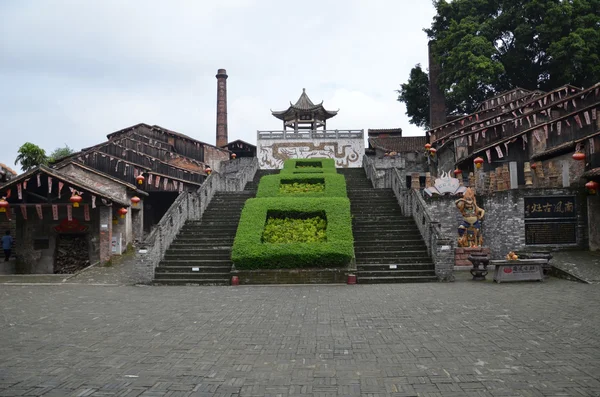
[469, 232]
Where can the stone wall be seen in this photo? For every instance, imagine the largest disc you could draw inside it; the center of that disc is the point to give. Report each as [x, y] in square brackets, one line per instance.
[593, 204]
[187, 206]
[347, 152]
[214, 157]
[503, 226]
[291, 276]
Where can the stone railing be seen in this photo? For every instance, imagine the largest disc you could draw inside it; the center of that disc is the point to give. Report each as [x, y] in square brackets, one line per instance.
[188, 206]
[440, 247]
[307, 134]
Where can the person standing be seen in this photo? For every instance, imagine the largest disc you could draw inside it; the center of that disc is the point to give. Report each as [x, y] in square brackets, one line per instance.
[7, 241]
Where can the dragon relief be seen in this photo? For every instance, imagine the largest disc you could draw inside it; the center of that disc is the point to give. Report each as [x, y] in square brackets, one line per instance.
[274, 155]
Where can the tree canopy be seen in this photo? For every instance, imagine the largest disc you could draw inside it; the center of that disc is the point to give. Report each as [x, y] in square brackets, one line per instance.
[485, 47]
[31, 156]
[60, 153]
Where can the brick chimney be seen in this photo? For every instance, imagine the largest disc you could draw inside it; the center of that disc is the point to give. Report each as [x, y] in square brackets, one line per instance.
[221, 108]
[437, 100]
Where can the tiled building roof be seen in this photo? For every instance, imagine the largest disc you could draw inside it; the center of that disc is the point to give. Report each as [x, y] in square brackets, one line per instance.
[398, 143]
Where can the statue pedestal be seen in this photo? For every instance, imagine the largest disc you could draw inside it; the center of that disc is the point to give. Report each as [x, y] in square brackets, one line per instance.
[461, 255]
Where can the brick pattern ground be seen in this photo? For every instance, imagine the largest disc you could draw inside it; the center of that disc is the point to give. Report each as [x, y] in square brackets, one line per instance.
[583, 264]
[436, 339]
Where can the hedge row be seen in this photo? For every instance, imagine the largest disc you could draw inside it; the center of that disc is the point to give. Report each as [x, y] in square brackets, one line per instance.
[295, 166]
[335, 185]
[249, 251]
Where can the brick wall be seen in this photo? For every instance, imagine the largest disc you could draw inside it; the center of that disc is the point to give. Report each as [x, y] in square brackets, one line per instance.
[593, 203]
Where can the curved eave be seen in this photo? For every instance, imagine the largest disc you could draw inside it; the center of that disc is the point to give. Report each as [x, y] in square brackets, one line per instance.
[292, 111]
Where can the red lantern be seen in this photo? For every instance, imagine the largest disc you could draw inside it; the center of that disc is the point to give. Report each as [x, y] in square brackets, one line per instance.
[478, 162]
[592, 186]
[427, 146]
[75, 199]
[135, 200]
[579, 156]
[122, 211]
[457, 172]
[533, 166]
[140, 179]
[432, 151]
[233, 155]
[3, 205]
[208, 170]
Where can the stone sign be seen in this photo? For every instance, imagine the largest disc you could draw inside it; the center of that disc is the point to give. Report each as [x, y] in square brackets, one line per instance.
[550, 220]
[550, 207]
[518, 270]
[550, 233]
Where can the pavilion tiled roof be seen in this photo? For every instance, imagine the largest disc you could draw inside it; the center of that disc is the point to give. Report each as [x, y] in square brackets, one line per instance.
[303, 105]
[398, 143]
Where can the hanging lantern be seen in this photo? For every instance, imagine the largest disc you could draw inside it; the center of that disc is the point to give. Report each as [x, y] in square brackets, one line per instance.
[478, 162]
[140, 179]
[592, 186]
[3, 205]
[427, 146]
[75, 199]
[122, 211]
[457, 172]
[533, 166]
[233, 155]
[433, 151]
[208, 170]
[579, 156]
[135, 200]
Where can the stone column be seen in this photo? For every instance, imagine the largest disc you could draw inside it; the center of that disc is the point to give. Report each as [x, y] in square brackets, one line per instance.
[137, 218]
[222, 139]
[105, 233]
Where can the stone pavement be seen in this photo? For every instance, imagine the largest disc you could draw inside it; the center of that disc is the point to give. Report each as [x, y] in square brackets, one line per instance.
[583, 264]
[436, 339]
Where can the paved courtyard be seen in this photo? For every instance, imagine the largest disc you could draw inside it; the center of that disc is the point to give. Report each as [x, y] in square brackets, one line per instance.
[456, 339]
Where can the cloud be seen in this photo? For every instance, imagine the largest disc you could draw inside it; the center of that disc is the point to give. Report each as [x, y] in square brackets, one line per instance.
[72, 72]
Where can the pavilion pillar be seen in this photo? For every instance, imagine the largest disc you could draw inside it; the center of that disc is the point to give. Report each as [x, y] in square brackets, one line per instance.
[105, 233]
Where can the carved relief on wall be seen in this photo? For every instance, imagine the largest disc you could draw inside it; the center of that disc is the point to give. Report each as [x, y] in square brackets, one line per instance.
[345, 154]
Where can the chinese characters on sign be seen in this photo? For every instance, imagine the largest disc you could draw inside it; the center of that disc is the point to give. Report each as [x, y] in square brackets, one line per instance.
[559, 216]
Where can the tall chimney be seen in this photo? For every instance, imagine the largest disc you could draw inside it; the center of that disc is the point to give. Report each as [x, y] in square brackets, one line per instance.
[437, 100]
[221, 108]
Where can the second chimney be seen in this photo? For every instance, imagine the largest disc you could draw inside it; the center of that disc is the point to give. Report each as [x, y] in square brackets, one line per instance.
[222, 108]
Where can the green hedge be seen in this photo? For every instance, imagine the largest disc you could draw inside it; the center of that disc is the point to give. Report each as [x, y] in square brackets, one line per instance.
[249, 252]
[335, 185]
[290, 166]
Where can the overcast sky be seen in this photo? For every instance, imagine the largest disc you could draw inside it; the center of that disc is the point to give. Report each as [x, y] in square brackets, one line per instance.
[73, 71]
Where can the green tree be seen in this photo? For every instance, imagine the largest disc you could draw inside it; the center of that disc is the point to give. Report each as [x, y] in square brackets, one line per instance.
[31, 156]
[488, 46]
[60, 153]
[415, 94]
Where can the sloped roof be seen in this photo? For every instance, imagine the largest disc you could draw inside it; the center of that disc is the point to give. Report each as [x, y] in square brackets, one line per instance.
[304, 105]
[6, 169]
[384, 131]
[398, 143]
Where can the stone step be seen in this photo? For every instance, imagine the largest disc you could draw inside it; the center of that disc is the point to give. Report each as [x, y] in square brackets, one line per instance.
[375, 267]
[384, 231]
[206, 241]
[393, 273]
[392, 279]
[369, 253]
[389, 245]
[188, 269]
[199, 281]
[208, 231]
[195, 262]
[191, 275]
[388, 261]
[205, 257]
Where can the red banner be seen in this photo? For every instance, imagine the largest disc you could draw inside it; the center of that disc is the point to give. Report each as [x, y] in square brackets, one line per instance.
[86, 212]
[55, 212]
[38, 208]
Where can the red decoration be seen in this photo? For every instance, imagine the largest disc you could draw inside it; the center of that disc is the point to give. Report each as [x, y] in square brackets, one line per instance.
[208, 170]
[457, 172]
[592, 186]
[75, 199]
[72, 226]
[233, 155]
[478, 162]
[140, 179]
[122, 211]
[579, 156]
[533, 166]
[135, 200]
[427, 146]
[433, 151]
[3, 205]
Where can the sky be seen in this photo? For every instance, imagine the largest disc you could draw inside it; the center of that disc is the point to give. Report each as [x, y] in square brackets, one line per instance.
[73, 71]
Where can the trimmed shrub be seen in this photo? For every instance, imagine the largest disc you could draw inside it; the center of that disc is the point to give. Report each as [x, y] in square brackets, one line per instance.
[314, 165]
[250, 252]
[269, 186]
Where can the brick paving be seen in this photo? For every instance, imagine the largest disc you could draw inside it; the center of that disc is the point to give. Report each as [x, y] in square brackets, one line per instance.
[436, 339]
[583, 264]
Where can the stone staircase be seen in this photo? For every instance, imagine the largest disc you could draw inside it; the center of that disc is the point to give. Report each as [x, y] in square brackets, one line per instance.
[201, 252]
[387, 245]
